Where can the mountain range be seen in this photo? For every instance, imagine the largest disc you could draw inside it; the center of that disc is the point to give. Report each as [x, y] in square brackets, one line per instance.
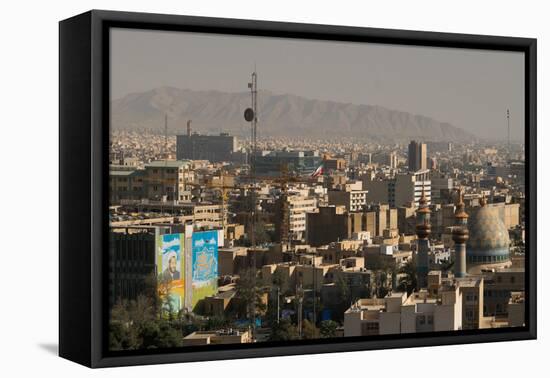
[278, 115]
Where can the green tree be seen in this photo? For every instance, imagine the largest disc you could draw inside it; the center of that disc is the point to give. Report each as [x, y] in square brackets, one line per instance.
[309, 331]
[250, 290]
[159, 334]
[121, 337]
[408, 282]
[283, 331]
[280, 280]
[216, 322]
[328, 328]
[149, 334]
[127, 317]
[261, 233]
[169, 336]
[344, 295]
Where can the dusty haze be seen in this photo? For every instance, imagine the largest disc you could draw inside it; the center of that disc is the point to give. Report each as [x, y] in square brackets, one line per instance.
[469, 89]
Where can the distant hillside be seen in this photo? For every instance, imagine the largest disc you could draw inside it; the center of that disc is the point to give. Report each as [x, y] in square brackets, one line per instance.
[279, 115]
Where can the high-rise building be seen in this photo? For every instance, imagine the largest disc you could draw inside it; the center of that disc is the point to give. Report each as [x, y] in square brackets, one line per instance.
[298, 206]
[418, 155]
[392, 160]
[214, 148]
[131, 263]
[388, 159]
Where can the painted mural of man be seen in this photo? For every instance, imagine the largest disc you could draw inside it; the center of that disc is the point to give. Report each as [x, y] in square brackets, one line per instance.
[171, 272]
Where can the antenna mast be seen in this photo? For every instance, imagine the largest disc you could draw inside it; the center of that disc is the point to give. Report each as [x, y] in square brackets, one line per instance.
[251, 115]
[508, 120]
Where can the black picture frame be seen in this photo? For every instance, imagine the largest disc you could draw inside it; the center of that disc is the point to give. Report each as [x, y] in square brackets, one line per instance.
[83, 196]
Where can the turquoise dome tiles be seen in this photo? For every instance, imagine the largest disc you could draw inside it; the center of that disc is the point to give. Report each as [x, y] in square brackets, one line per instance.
[488, 234]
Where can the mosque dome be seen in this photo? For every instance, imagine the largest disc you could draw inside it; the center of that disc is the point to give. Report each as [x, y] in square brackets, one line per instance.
[488, 245]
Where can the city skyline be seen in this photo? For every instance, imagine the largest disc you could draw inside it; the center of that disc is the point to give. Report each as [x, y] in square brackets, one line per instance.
[471, 89]
[339, 220]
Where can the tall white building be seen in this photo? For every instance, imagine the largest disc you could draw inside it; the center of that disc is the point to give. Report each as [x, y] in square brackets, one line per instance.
[298, 207]
[350, 195]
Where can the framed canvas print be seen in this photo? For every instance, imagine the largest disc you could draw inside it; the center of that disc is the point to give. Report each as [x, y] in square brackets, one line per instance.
[234, 188]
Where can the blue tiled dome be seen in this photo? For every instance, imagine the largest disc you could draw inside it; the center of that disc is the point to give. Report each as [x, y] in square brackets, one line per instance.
[489, 241]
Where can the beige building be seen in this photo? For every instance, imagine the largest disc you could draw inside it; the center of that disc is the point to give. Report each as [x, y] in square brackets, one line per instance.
[399, 313]
[498, 290]
[217, 338]
[167, 179]
[471, 288]
[353, 200]
[448, 304]
[402, 190]
[125, 183]
[516, 309]
[229, 262]
[164, 180]
[234, 231]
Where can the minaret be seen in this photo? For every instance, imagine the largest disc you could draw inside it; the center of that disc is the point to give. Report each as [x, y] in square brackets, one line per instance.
[460, 236]
[423, 231]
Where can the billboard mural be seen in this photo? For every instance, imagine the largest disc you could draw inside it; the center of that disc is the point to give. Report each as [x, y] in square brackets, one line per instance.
[171, 270]
[205, 265]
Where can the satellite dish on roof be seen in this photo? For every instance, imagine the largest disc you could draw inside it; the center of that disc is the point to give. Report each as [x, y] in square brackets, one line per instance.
[249, 114]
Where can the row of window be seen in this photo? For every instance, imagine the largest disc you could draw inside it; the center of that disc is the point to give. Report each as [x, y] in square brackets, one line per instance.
[487, 259]
[424, 319]
[497, 293]
[471, 297]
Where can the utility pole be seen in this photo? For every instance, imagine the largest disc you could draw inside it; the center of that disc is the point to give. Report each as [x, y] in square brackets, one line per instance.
[278, 305]
[314, 293]
[508, 121]
[300, 297]
[166, 136]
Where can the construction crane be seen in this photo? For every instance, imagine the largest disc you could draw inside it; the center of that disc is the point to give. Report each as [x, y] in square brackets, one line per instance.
[224, 190]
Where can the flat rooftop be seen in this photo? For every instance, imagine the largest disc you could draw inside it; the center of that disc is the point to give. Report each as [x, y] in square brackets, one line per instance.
[167, 163]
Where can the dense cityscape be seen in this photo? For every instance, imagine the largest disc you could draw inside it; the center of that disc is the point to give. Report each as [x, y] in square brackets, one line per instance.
[221, 239]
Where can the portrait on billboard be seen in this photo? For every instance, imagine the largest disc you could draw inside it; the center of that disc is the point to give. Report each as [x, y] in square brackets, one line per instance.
[170, 250]
[171, 282]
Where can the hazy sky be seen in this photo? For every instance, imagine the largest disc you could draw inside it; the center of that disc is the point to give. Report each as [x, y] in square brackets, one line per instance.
[470, 89]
